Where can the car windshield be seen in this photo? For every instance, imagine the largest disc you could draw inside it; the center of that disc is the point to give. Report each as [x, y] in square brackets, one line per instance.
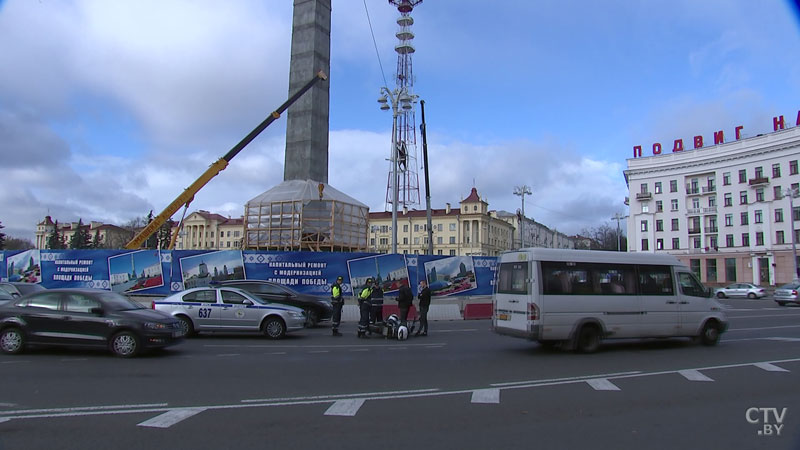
[117, 302]
[790, 286]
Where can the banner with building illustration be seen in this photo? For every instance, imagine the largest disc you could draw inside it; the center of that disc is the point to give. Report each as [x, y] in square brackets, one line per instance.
[162, 272]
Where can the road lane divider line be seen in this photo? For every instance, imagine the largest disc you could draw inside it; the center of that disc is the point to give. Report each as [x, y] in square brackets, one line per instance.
[770, 367]
[486, 396]
[762, 328]
[763, 315]
[348, 407]
[322, 346]
[694, 375]
[338, 396]
[84, 409]
[170, 418]
[551, 380]
[602, 384]
[784, 339]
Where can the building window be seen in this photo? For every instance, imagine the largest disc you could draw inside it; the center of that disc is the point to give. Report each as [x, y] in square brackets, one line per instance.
[759, 172]
[760, 194]
[711, 270]
[743, 218]
[416, 228]
[776, 193]
[676, 243]
[759, 238]
[643, 188]
[646, 207]
[793, 167]
[796, 214]
[743, 176]
[439, 240]
[696, 203]
[452, 253]
[728, 199]
[779, 238]
[712, 202]
[416, 241]
[694, 266]
[778, 215]
[745, 240]
[757, 217]
[644, 225]
[729, 240]
[730, 269]
[659, 206]
[776, 170]
[405, 228]
[696, 242]
[439, 227]
[712, 242]
[452, 227]
[475, 207]
[658, 187]
[728, 220]
[372, 242]
[659, 225]
[726, 178]
[674, 225]
[673, 204]
[645, 246]
[673, 185]
[743, 197]
[659, 244]
[452, 239]
[405, 241]
[384, 228]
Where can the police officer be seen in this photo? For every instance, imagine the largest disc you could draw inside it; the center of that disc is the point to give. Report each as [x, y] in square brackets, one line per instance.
[364, 307]
[337, 300]
[376, 313]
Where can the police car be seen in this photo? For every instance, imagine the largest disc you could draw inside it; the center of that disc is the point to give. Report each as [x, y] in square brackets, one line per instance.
[230, 309]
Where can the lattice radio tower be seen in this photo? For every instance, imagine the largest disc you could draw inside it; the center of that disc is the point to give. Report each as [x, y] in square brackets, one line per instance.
[406, 136]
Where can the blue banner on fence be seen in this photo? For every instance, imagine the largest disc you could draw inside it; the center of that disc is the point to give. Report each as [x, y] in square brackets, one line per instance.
[162, 272]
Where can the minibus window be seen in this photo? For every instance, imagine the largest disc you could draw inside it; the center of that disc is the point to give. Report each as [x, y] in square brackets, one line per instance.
[690, 286]
[655, 280]
[512, 278]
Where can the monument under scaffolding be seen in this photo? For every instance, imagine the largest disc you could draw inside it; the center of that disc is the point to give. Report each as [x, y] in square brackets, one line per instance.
[301, 215]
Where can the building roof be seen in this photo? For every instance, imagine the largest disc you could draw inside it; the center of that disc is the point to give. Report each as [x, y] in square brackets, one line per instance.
[473, 197]
[414, 213]
[302, 190]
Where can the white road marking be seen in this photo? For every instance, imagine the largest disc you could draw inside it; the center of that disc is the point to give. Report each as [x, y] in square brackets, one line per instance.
[3, 419]
[73, 359]
[770, 367]
[228, 354]
[322, 346]
[275, 353]
[345, 407]
[763, 315]
[785, 339]
[338, 396]
[694, 375]
[762, 328]
[170, 418]
[6, 405]
[319, 351]
[486, 396]
[602, 384]
[85, 408]
[579, 378]
[359, 349]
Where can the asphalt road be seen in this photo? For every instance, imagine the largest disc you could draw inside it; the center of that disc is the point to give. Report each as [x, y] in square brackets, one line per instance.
[460, 387]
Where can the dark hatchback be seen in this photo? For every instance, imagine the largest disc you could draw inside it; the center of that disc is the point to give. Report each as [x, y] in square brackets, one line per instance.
[84, 318]
[18, 288]
[318, 309]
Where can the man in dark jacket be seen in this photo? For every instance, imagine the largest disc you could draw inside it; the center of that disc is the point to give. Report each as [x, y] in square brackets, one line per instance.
[424, 297]
[337, 300]
[364, 307]
[404, 299]
[376, 300]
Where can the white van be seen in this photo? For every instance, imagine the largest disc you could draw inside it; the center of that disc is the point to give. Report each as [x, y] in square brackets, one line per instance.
[580, 297]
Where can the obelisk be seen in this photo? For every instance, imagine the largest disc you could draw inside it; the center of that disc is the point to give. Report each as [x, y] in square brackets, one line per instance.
[307, 119]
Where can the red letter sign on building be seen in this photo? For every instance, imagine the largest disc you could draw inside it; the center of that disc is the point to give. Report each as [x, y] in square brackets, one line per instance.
[698, 141]
[719, 137]
[657, 148]
[677, 146]
[739, 132]
[777, 123]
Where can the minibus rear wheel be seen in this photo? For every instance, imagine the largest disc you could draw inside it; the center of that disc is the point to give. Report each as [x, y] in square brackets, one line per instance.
[588, 339]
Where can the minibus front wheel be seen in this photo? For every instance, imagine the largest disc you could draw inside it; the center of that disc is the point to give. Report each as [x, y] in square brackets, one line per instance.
[710, 334]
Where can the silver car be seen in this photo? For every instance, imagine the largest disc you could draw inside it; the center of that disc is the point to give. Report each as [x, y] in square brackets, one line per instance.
[230, 309]
[741, 290]
[787, 293]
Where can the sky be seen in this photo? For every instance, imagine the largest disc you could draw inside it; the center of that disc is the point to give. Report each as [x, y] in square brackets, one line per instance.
[110, 109]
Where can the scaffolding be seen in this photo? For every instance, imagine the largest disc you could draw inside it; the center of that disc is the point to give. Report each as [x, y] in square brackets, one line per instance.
[305, 215]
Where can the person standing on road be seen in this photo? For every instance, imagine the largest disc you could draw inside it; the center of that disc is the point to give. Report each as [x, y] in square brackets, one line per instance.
[404, 300]
[337, 300]
[424, 297]
[364, 307]
[376, 312]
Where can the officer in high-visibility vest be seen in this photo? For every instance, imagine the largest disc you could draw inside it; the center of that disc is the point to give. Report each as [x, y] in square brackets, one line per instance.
[337, 300]
[364, 307]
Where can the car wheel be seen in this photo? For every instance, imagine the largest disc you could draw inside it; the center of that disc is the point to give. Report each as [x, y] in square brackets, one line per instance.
[187, 327]
[720, 295]
[312, 317]
[12, 341]
[751, 296]
[588, 339]
[710, 334]
[781, 303]
[274, 328]
[124, 344]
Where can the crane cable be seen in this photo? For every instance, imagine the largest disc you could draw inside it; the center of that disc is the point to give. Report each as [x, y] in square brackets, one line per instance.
[375, 43]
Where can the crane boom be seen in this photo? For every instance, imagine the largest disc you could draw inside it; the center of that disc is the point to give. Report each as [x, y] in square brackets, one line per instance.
[188, 194]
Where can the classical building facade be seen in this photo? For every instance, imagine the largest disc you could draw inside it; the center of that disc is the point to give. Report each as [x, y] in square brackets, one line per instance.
[535, 234]
[109, 236]
[471, 229]
[203, 230]
[723, 209]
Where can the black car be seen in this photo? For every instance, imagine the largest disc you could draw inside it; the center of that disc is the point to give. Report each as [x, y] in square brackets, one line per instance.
[18, 288]
[84, 318]
[318, 309]
[5, 297]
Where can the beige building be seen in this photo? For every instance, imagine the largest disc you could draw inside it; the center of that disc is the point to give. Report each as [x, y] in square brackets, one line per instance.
[110, 236]
[470, 230]
[203, 230]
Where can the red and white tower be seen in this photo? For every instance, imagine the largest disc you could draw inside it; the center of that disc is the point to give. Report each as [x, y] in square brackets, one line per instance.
[405, 131]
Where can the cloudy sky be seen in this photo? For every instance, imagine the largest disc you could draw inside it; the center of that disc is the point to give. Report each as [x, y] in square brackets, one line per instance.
[109, 109]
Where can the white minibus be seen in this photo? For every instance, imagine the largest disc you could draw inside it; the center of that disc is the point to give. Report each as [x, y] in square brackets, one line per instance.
[580, 297]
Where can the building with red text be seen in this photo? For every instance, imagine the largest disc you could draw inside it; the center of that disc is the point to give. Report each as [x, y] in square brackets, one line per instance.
[722, 209]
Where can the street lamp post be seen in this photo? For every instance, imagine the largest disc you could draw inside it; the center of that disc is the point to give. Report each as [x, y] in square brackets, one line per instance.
[792, 193]
[618, 217]
[399, 100]
[522, 191]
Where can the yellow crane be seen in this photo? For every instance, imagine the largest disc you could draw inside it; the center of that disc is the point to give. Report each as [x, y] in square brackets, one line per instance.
[188, 194]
